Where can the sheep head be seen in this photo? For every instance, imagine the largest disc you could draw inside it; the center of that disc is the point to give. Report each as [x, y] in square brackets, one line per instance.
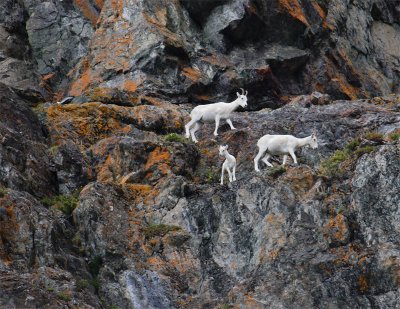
[242, 98]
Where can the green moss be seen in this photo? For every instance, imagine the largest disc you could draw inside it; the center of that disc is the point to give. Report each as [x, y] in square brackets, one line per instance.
[3, 191]
[50, 289]
[212, 175]
[64, 296]
[353, 144]
[225, 306]
[366, 149]
[394, 136]
[53, 150]
[65, 203]
[154, 230]
[276, 171]
[374, 136]
[173, 137]
[81, 285]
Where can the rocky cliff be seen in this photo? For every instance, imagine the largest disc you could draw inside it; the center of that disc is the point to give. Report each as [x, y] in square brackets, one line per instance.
[104, 203]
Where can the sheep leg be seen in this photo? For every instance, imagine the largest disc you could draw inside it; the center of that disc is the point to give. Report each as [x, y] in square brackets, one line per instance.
[257, 158]
[230, 124]
[192, 131]
[291, 152]
[234, 172]
[217, 118]
[222, 174]
[229, 173]
[284, 159]
[188, 125]
[265, 160]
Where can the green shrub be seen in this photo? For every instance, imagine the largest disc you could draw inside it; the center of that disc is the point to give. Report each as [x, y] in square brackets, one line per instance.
[154, 230]
[95, 265]
[276, 171]
[64, 296]
[174, 137]
[65, 203]
[330, 167]
[82, 284]
[212, 175]
[96, 284]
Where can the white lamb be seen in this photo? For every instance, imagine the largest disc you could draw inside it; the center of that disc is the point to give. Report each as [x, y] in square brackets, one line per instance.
[229, 163]
[214, 112]
[281, 144]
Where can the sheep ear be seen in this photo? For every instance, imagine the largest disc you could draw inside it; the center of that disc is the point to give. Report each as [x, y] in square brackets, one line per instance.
[237, 93]
[226, 146]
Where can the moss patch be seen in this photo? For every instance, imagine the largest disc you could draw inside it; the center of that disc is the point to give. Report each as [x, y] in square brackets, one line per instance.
[64, 203]
[333, 166]
[154, 230]
[174, 137]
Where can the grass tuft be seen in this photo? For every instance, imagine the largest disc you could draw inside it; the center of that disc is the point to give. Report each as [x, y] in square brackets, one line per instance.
[3, 191]
[64, 296]
[154, 230]
[174, 137]
[276, 171]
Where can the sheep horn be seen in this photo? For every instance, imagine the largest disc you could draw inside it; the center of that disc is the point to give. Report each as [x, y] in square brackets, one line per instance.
[242, 90]
[246, 93]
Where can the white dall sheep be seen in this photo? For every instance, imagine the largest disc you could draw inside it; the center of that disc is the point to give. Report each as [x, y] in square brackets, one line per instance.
[281, 144]
[229, 163]
[214, 112]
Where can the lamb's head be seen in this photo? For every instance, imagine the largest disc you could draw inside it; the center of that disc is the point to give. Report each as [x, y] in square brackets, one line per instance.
[314, 141]
[222, 149]
[242, 98]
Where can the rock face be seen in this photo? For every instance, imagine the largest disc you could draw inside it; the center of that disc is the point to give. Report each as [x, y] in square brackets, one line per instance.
[104, 203]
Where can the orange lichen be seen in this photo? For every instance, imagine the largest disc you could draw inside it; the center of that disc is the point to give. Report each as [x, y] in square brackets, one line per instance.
[339, 227]
[88, 11]
[319, 10]
[81, 84]
[161, 158]
[192, 73]
[350, 91]
[362, 282]
[85, 123]
[293, 7]
[130, 85]
[138, 191]
[216, 59]
[99, 3]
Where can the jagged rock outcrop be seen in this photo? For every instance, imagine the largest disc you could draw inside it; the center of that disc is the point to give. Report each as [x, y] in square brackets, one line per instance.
[104, 203]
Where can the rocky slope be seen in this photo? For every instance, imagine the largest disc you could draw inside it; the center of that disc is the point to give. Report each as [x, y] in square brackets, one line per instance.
[104, 203]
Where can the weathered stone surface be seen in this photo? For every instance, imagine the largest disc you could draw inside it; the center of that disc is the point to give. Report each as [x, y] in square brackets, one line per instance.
[37, 266]
[24, 161]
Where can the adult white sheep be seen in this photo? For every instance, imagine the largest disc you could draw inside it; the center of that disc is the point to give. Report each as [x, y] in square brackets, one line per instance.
[229, 163]
[282, 144]
[214, 112]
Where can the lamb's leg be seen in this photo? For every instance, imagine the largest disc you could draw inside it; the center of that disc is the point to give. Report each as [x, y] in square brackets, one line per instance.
[217, 118]
[192, 131]
[230, 124]
[187, 127]
[257, 158]
[291, 152]
[234, 173]
[229, 173]
[265, 160]
[222, 174]
[284, 159]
